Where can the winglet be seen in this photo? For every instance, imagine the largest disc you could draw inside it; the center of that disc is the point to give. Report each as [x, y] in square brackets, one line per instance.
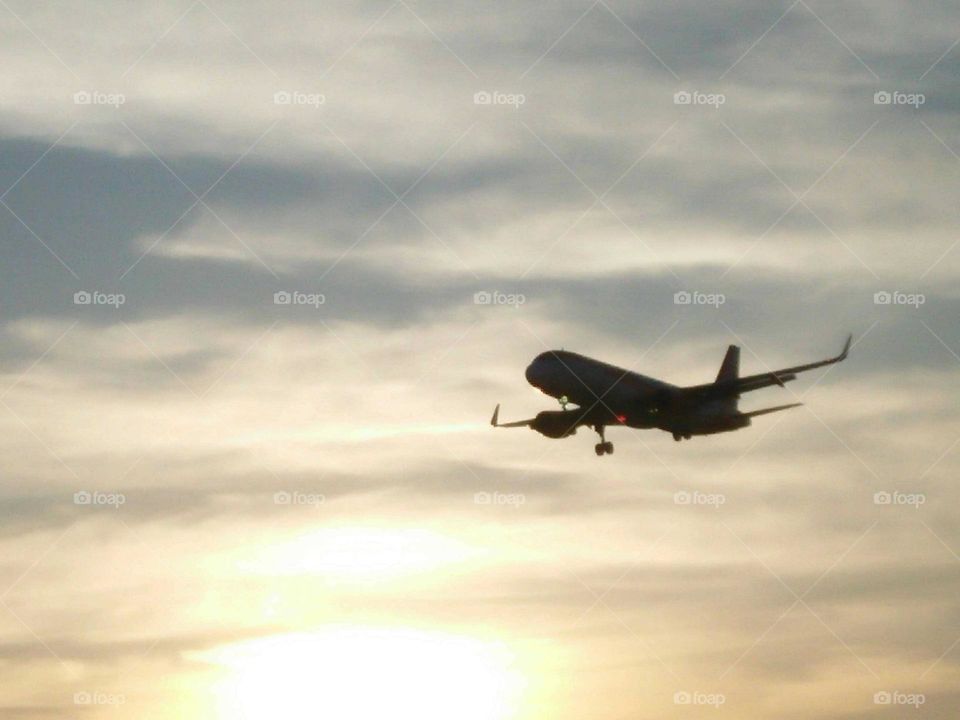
[496, 412]
[846, 348]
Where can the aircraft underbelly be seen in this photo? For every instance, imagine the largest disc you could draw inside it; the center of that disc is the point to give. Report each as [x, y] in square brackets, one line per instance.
[706, 420]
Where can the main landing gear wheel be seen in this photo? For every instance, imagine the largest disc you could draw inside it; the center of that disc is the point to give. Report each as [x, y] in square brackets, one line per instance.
[604, 447]
[677, 436]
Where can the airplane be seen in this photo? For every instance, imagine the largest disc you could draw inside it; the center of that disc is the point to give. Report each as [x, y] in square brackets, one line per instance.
[606, 395]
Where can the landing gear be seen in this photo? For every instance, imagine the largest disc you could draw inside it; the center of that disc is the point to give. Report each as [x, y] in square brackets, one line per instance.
[564, 401]
[604, 447]
[681, 436]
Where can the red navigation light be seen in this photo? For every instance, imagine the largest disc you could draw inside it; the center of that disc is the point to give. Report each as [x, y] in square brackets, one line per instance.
[622, 418]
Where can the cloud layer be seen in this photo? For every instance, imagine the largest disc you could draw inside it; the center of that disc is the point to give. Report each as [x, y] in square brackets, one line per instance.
[167, 171]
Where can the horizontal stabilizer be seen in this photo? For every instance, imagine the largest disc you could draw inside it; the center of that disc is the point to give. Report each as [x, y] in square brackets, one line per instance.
[769, 410]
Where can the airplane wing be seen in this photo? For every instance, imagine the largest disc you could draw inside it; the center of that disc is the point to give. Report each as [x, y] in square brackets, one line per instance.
[518, 423]
[736, 386]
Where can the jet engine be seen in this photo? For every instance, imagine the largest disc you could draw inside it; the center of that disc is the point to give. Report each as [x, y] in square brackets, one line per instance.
[556, 423]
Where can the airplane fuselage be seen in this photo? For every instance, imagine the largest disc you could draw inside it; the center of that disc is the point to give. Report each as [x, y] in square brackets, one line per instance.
[609, 395]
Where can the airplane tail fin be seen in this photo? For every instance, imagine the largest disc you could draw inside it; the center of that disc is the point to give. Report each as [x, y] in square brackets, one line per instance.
[730, 369]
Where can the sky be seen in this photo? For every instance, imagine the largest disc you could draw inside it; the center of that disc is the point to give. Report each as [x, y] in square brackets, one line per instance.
[268, 267]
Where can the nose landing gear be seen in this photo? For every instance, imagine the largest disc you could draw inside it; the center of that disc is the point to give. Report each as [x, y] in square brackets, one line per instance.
[603, 447]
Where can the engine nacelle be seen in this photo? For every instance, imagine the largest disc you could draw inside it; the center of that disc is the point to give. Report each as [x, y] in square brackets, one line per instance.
[556, 423]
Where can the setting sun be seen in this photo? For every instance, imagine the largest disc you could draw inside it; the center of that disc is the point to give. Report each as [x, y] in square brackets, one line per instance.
[365, 672]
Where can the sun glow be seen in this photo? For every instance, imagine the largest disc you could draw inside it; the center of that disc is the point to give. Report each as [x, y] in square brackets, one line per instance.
[361, 555]
[366, 673]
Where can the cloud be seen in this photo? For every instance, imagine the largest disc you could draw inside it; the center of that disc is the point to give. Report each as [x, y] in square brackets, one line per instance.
[393, 195]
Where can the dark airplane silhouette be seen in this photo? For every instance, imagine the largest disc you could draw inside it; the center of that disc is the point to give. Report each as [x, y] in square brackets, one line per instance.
[608, 395]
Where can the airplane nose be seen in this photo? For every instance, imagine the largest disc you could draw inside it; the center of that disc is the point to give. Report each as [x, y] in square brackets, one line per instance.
[531, 372]
[534, 372]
